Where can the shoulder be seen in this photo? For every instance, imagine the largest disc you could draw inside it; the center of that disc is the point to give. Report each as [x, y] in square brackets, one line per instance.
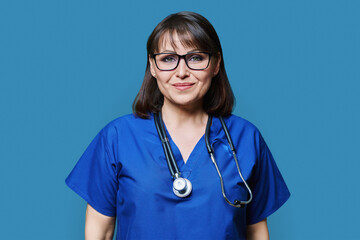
[124, 124]
[121, 130]
[236, 123]
[244, 132]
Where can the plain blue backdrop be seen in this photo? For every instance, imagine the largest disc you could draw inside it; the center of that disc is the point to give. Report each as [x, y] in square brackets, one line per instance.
[68, 67]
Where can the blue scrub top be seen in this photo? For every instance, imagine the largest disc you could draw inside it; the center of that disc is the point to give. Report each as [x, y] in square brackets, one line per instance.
[124, 173]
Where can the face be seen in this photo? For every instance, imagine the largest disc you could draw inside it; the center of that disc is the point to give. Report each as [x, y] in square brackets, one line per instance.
[183, 87]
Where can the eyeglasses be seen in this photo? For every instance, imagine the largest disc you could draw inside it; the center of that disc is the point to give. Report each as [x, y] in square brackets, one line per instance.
[170, 61]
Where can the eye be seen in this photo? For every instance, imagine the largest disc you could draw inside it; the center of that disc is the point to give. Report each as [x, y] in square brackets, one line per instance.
[195, 58]
[167, 58]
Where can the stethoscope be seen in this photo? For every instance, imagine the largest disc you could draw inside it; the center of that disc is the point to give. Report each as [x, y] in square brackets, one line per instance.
[182, 187]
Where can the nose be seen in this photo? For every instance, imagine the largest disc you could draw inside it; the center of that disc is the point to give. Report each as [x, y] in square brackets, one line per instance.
[182, 70]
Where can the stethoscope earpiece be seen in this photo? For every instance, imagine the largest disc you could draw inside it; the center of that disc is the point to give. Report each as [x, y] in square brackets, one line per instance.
[182, 187]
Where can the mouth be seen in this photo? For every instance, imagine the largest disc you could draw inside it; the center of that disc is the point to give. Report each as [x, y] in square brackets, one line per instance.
[183, 86]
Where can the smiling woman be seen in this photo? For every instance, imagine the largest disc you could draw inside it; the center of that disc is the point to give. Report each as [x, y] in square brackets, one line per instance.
[190, 32]
[179, 83]
[158, 170]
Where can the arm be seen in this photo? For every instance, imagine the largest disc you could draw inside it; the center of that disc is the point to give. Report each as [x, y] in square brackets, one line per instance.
[98, 226]
[258, 231]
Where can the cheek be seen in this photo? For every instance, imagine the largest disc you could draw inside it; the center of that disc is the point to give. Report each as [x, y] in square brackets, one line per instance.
[206, 80]
[204, 86]
[207, 86]
[161, 85]
[163, 77]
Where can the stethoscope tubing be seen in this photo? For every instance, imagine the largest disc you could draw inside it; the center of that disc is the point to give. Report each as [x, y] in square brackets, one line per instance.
[174, 170]
[173, 167]
[236, 203]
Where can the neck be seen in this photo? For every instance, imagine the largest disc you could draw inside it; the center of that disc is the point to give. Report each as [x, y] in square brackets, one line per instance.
[182, 116]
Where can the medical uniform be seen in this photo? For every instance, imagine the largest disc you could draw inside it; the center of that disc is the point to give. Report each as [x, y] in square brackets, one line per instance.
[124, 173]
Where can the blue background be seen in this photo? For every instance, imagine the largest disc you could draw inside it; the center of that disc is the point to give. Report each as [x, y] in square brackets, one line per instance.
[67, 68]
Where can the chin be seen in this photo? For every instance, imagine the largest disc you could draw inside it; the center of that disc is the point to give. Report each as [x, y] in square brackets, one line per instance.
[185, 102]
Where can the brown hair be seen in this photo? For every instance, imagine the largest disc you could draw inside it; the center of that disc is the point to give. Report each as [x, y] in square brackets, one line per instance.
[193, 30]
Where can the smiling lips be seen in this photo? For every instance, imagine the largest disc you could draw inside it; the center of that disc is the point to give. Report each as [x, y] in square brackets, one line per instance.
[183, 86]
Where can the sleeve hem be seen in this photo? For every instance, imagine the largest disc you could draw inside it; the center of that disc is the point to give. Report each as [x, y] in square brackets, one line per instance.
[271, 211]
[87, 199]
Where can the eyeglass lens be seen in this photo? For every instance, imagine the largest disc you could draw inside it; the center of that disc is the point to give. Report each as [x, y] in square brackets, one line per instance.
[195, 61]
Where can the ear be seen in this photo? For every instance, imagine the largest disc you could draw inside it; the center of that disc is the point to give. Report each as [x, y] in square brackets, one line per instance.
[152, 66]
[217, 64]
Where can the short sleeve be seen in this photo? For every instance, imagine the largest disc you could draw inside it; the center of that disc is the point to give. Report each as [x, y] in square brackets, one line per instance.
[94, 177]
[268, 186]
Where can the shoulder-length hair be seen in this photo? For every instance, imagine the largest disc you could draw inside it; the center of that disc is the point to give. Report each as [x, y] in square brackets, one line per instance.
[193, 30]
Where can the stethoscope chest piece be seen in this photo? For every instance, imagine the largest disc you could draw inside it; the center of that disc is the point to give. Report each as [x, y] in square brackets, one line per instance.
[182, 187]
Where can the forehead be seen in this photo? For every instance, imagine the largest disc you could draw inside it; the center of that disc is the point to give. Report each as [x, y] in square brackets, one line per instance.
[175, 41]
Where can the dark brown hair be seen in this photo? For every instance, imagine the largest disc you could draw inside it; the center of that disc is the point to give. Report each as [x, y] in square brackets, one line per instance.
[193, 30]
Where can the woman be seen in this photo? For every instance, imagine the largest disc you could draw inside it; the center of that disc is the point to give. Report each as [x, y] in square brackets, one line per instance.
[124, 172]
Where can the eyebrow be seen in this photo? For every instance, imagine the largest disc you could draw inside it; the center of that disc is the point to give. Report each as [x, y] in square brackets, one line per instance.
[172, 51]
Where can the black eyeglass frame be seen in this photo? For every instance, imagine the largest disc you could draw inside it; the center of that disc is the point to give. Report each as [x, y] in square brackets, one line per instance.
[180, 57]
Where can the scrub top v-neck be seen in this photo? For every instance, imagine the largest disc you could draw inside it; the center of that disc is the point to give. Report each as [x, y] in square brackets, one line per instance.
[194, 155]
[123, 173]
